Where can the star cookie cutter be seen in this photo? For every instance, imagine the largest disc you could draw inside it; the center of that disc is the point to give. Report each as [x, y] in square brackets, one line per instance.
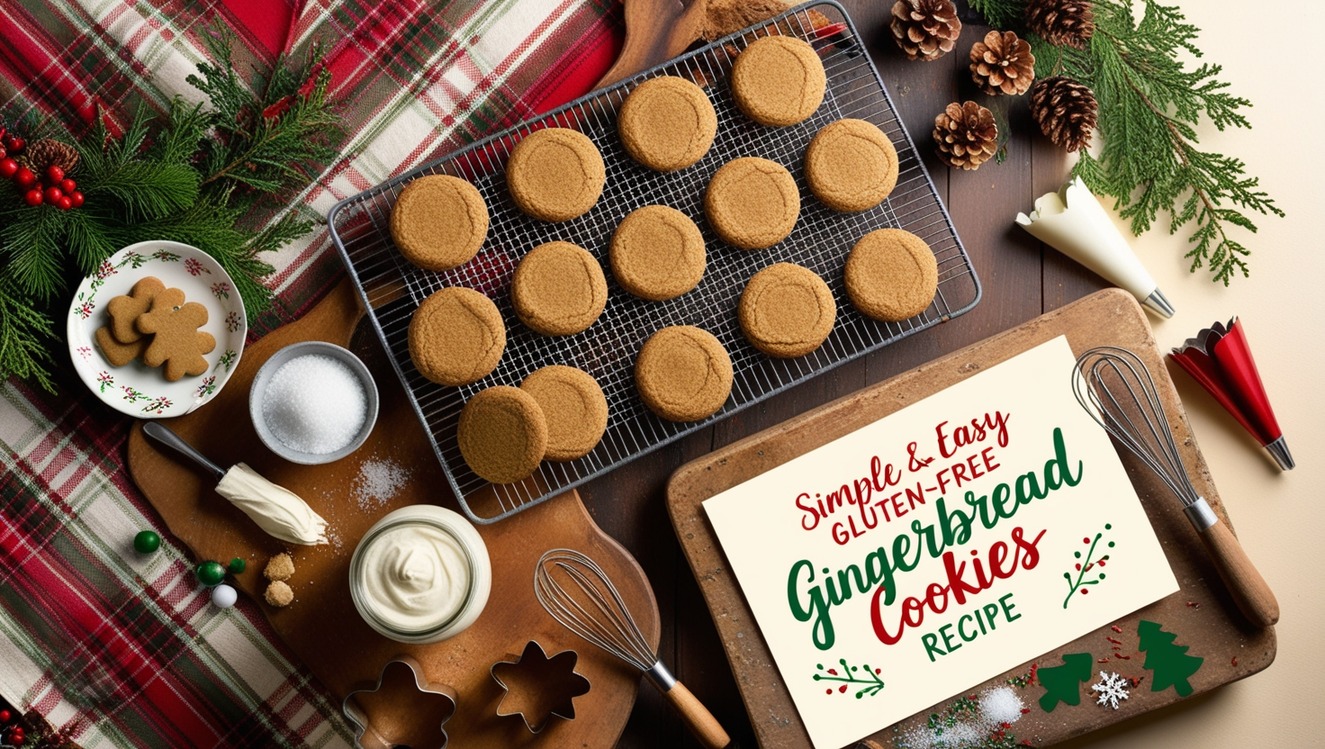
[539, 688]
[386, 714]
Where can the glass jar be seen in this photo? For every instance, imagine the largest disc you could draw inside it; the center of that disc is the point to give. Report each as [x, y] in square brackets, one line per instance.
[420, 574]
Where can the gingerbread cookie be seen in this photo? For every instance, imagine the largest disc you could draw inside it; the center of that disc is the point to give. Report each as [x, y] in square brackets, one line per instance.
[667, 123]
[116, 353]
[125, 310]
[851, 165]
[574, 407]
[456, 336]
[555, 174]
[891, 275]
[558, 289]
[752, 203]
[683, 373]
[778, 80]
[786, 310]
[177, 344]
[502, 434]
[439, 222]
[657, 253]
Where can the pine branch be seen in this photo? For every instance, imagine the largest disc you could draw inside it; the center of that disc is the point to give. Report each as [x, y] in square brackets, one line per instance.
[27, 337]
[32, 249]
[1001, 14]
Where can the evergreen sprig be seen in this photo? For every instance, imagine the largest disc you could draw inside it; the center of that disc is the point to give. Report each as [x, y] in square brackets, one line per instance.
[1150, 104]
[207, 174]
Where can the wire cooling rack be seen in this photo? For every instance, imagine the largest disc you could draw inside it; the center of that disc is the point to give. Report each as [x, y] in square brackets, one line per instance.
[392, 288]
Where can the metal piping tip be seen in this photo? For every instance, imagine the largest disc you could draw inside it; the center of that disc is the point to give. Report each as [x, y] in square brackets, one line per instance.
[1158, 304]
[1279, 449]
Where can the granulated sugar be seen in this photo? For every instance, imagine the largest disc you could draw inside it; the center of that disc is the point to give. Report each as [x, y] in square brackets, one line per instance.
[995, 708]
[314, 404]
[378, 481]
[1001, 705]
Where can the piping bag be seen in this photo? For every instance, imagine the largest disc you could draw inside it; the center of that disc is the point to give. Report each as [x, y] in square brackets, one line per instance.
[1073, 222]
[277, 510]
[1219, 359]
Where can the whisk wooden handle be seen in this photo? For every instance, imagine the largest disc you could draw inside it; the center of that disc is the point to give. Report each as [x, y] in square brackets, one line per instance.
[1244, 581]
[697, 718]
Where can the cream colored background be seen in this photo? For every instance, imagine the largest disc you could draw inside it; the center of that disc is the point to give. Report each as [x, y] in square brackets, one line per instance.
[1269, 57]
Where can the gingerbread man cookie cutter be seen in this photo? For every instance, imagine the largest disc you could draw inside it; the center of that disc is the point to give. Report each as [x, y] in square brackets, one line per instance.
[386, 714]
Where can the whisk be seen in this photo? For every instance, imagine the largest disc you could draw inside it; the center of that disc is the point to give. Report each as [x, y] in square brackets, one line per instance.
[1116, 389]
[579, 595]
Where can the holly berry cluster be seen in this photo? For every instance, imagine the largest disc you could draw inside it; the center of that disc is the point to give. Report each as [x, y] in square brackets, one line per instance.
[51, 187]
[12, 735]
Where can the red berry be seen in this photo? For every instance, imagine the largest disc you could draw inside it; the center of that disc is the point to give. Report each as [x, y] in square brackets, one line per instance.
[64, 203]
[3, 152]
[14, 143]
[67, 185]
[53, 194]
[8, 167]
[24, 177]
[33, 197]
[5, 715]
[76, 198]
[54, 173]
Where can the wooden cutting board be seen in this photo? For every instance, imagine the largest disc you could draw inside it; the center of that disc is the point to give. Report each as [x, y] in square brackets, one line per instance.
[1201, 612]
[322, 628]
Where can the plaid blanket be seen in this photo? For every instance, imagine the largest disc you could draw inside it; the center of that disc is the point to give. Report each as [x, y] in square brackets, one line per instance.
[116, 649]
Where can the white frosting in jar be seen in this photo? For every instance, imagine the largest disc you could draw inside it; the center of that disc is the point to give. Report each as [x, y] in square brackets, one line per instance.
[414, 577]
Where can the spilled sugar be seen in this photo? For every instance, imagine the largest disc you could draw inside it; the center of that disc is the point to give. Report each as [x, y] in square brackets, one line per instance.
[378, 481]
[994, 708]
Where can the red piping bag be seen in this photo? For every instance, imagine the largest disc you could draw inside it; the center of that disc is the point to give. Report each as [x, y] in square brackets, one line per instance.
[1219, 358]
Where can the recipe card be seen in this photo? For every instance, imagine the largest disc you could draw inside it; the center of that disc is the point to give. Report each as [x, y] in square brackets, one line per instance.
[931, 550]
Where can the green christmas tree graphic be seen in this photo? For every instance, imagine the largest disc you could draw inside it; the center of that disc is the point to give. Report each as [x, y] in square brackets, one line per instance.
[1063, 683]
[1170, 663]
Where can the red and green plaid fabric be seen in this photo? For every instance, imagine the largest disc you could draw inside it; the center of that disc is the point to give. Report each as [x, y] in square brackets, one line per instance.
[118, 649]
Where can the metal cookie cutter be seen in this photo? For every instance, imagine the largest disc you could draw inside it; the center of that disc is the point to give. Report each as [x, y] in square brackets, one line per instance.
[387, 714]
[537, 687]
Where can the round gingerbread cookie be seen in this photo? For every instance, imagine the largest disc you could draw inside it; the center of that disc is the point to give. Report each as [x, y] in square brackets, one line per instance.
[555, 174]
[891, 275]
[558, 289]
[657, 253]
[667, 123]
[851, 165]
[502, 434]
[683, 373]
[456, 336]
[786, 310]
[752, 203]
[778, 80]
[575, 409]
[439, 222]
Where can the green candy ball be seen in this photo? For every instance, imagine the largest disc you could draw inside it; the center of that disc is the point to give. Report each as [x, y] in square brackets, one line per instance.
[209, 573]
[236, 566]
[146, 542]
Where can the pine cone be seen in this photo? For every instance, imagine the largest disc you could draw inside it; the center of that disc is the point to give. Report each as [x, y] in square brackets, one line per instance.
[1065, 110]
[1002, 64]
[925, 29]
[49, 152]
[966, 135]
[1062, 22]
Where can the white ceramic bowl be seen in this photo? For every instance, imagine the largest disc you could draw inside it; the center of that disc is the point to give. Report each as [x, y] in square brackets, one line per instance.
[295, 350]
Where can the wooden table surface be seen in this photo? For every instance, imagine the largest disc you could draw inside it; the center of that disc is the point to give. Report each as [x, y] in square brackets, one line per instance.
[1020, 281]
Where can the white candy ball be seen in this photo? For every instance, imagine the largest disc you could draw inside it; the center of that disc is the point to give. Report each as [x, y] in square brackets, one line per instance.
[224, 596]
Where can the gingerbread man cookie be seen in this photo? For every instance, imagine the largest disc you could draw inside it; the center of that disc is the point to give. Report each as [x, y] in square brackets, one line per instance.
[177, 343]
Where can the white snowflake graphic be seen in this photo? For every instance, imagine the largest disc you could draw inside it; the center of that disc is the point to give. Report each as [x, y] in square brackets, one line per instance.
[1111, 688]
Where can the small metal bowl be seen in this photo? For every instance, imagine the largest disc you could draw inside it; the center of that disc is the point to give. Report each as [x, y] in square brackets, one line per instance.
[295, 350]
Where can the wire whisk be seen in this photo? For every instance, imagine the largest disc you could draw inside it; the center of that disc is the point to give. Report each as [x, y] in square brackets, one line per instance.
[1114, 386]
[576, 592]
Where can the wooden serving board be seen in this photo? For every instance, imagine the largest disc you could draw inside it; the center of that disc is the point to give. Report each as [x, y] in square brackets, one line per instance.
[322, 627]
[1202, 613]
